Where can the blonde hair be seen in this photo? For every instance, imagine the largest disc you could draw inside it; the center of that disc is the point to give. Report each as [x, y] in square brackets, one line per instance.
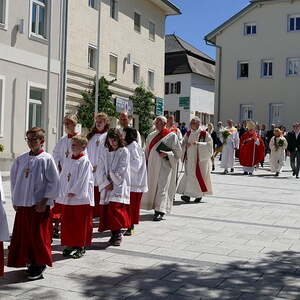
[211, 125]
[101, 115]
[278, 130]
[80, 139]
[71, 117]
[37, 131]
[250, 125]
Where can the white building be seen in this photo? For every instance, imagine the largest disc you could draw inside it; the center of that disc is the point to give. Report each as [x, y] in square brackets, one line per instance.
[23, 74]
[258, 63]
[189, 82]
[132, 44]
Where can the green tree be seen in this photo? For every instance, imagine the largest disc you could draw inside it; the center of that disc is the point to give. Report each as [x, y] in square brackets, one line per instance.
[143, 105]
[86, 110]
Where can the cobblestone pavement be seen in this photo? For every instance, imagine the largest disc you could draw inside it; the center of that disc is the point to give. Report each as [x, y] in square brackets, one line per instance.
[241, 243]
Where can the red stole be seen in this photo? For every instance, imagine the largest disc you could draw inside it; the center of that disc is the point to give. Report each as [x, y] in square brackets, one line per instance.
[36, 154]
[71, 135]
[157, 138]
[199, 176]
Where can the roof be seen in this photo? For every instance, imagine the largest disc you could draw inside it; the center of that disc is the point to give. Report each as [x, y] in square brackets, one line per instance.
[168, 7]
[182, 58]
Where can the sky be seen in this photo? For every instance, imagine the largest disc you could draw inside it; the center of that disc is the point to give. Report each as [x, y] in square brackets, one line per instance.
[200, 17]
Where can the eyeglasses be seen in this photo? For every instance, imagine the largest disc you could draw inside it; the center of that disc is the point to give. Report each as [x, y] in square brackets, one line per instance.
[31, 139]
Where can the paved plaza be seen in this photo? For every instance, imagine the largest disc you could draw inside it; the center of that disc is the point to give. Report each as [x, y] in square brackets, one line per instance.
[242, 243]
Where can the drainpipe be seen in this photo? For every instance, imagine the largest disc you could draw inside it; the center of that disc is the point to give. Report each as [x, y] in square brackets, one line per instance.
[219, 78]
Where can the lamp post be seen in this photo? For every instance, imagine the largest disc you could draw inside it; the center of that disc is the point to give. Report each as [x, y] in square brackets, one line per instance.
[98, 58]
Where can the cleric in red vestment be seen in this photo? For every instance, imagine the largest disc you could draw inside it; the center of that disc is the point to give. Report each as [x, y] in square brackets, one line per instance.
[252, 149]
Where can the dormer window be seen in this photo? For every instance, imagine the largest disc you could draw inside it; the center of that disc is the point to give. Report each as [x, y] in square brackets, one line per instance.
[250, 29]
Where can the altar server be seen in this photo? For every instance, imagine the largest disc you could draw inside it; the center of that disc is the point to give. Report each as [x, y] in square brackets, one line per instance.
[113, 179]
[34, 185]
[76, 195]
[138, 175]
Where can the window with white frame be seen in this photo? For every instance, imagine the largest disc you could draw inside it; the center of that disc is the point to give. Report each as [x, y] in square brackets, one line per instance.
[35, 106]
[93, 3]
[92, 56]
[137, 22]
[249, 28]
[293, 66]
[136, 74]
[151, 31]
[39, 18]
[113, 65]
[267, 68]
[276, 112]
[114, 9]
[294, 23]
[246, 112]
[2, 97]
[151, 79]
[3, 4]
[243, 69]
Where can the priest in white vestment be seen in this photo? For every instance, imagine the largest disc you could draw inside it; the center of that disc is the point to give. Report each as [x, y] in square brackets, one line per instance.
[197, 150]
[161, 169]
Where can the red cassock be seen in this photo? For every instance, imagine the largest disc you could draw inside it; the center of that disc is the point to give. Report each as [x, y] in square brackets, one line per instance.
[56, 211]
[76, 225]
[114, 216]
[251, 153]
[134, 207]
[1, 259]
[31, 238]
[97, 202]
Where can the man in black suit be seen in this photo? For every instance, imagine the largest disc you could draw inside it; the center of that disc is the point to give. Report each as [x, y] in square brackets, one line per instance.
[293, 139]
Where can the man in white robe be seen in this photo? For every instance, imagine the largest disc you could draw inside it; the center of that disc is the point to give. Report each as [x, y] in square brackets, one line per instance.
[161, 169]
[230, 145]
[173, 128]
[197, 150]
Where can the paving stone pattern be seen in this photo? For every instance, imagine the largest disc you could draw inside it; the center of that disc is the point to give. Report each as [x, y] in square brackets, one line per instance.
[242, 243]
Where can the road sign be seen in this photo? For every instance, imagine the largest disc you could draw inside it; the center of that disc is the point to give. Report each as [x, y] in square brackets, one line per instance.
[159, 106]
[184, 102]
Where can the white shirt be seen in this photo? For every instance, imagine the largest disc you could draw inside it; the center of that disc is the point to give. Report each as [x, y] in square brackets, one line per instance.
[76, 177]
[62, 150]
[34, 178]
[4, 233]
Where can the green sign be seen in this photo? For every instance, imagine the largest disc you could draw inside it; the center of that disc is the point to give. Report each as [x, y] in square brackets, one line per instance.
[159, 106]
[184, 102]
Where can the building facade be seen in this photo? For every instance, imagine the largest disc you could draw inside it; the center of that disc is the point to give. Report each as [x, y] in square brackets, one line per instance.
[23, 74]
[189, 82]
[132, 43]
[258, 63]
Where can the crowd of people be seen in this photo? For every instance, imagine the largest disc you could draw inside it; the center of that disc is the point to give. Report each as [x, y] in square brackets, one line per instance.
[108, 174]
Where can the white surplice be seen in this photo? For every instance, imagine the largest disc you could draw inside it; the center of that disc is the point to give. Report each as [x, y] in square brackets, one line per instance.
[123, 134]
[277, 157]
[161, 174]
[77, 178]
[62, 150]
[4, 233]
[34, 178]
[95, 149]
[138, 169]
[228, 151]
[189, 185]
[115, 169]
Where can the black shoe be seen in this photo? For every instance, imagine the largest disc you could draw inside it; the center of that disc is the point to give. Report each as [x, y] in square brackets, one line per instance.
[232, 170]
[277, 174]
[186, 199]
[250, 174]
[158, 216]
[36, 272]
[297, 176]
[245, 173]
[116, 239]
[225, 172]
[294, 173]
[213, 168]
[198, 200]
[56, 233]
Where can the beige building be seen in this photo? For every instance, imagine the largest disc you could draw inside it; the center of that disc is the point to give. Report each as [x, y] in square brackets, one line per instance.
[258, 63]
[23, 74]
[132, 47]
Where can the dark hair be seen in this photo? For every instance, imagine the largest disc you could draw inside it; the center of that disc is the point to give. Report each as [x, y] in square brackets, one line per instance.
[114, 134]
[130, 135]
[37, 131]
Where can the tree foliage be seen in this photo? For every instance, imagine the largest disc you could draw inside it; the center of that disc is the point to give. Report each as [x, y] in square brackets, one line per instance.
[87, 108]
[143, 106]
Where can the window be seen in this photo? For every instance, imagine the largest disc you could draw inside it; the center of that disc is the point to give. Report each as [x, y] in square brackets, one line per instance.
[178, 87]
[93, 3]
[246, 112]
[167, 86]
[267, 68]
[3, 13]
[2, 97]
[151, 31]
[243, 69]
[276, 114]
[294, 23]
[136, 74]
[250, 29]
[114, 9]
[137, 22]
[113, 65]
[151, 80]
[39, 18]
[172, 88]
[35, 107]
[92, 57]
[293, 66]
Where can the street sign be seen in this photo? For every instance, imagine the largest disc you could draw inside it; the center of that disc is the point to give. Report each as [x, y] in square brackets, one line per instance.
[159, 106]
[184, 102]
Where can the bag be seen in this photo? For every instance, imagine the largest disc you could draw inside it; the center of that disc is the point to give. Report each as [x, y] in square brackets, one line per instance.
[162, 147]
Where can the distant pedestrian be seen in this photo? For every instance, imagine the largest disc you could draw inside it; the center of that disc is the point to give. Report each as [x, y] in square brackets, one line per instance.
[216, 141]
[293, 139]
[183, 129]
